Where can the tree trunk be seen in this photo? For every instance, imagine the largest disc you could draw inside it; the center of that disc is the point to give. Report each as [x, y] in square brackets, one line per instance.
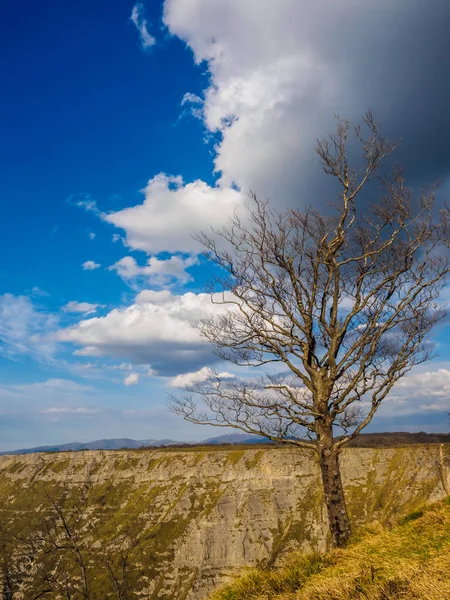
[334, 494]
[443, 470]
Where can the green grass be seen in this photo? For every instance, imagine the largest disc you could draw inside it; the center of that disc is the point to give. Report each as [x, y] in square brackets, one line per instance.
[411, 561]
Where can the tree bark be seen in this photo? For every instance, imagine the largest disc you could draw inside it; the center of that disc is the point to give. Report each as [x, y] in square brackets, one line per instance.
[443, 470]
[339, 522]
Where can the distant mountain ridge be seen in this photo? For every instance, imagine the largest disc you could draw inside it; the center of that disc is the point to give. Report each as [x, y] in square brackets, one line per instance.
[108, 444]
[368, 440]
[119, 443]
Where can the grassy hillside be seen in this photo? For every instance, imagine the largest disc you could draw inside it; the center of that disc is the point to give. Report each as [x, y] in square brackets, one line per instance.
[411, 561]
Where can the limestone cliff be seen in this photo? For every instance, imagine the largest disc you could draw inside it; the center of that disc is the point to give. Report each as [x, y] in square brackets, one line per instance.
[201, 514]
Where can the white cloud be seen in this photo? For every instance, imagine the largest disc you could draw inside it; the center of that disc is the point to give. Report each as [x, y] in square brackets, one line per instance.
[84, 201]
[54, 385]
[122, 367]
[140, 22]
[435, 407]
[433, 386]
[157, 271]
[156, 330]
[53, 396]
[131, 379]
[36, 291]
[90, 265]
[115, 237]
[154, 297]
[190, 98]
[53, 399]
[67, 410]
[420, 392]
[279, 72]
[193, 104]
[92, 235]
[88, 351]
[203, 374]
[272, 89]
[80, 307]
[25, 329]
[172, 212]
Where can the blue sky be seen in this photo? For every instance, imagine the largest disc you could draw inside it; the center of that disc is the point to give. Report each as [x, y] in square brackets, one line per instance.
[193, 102]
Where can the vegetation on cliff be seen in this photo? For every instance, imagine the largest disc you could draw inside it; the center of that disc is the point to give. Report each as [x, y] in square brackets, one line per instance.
[175, 524]
[411, 561]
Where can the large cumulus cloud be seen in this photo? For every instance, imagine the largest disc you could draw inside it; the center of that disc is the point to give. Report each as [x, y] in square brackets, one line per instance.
[281, 70]
[279, 73]
[155, 330]
[171, 212]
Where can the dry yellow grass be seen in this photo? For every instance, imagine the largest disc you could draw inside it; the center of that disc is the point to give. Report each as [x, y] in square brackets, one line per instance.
[408, 562]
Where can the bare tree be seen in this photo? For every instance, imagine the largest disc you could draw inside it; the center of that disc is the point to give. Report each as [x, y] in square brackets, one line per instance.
[343, 298]
[18, 552]
[64, 539]
[11, 573]
[62, 552]
[117, 558]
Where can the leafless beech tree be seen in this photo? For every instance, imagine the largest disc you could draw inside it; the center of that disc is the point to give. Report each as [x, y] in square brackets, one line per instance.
[342, 298]
[63, 540]
[118, 560]
[62, 554]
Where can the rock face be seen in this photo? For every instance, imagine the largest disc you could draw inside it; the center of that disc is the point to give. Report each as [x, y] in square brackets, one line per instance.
[202, 514]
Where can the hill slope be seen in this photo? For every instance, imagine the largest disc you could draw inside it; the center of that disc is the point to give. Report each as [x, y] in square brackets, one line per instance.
[410, 561]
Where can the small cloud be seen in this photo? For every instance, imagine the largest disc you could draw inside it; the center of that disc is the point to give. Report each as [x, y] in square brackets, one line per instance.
[189, 98]
[436, 407]
[84, 201]
[51, 386]
[157, 271]
[194, 106]
[140, 22]
[85, 308]
[66, 410]
[36, 291]
[92, 235]
[203, 374]
[90, 265]
[88, 351]
[115, 237]
[132, 379]
[123, 367]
